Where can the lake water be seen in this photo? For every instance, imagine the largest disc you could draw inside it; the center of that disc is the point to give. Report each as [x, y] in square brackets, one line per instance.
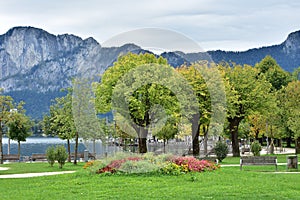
[40, 144]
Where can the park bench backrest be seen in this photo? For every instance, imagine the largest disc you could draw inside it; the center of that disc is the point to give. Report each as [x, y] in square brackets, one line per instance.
[10, 157]
[259, 159]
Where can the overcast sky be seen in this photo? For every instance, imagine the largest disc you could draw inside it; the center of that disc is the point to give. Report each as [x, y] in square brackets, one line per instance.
[213, 24]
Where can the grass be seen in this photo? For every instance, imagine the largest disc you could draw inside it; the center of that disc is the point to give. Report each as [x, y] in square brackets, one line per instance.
[19, 168]
[254, 182]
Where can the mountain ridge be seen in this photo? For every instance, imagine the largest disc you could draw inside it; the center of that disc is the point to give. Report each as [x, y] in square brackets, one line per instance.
[35, 64]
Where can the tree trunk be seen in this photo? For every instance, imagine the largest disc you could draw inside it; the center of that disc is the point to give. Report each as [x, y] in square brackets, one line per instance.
[289, 142]
[272, 146]
[19, 149]
[233, 128]
[205, 140]
[195, 134]
[94, 147]
[143, 140]
[164, 145]
[297, 145]
[69, 150]
[76, 148]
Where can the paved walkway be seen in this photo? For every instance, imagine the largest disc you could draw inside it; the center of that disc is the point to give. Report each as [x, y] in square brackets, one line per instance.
[4, 168]
[29, 175]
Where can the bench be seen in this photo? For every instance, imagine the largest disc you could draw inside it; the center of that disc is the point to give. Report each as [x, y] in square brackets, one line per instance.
[258, 160]
[245, 149]
[81, 155]
[211, 159]
[14, 157]
[38, 156]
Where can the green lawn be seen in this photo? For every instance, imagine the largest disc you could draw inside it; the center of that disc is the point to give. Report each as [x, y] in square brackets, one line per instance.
[254, 182]
[19, 168]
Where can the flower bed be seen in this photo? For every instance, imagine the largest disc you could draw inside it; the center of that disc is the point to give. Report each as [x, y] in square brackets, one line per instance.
[165, 164]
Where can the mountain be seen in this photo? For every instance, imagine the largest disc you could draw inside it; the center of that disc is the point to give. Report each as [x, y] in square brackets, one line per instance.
[35, 65]
[287, 54]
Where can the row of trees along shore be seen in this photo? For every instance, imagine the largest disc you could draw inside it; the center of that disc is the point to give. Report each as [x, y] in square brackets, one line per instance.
[259, 101]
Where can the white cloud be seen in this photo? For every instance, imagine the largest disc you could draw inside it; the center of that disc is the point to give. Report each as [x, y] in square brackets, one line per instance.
[226, 24]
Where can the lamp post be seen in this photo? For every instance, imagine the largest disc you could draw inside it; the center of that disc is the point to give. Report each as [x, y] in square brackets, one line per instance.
[267, 137]
[8, 141]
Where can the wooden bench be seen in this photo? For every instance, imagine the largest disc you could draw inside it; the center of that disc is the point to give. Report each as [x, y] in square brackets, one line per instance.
[14, 157]
[245, 149]
[258, 160]
[38, 156]
[211, 159]
[81, 156]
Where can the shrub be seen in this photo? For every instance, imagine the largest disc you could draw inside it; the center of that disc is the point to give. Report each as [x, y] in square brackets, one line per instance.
[50, 155]
[171, 168]
[61, 155]
[141, 166]
[165, 164]
[255, 148]
[221, 150]
[193, 164]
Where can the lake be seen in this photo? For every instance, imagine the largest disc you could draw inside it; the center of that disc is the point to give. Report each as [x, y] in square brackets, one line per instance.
[40, 144]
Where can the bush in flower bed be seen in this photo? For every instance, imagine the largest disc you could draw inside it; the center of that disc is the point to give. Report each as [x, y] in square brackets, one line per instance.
[165, 164]
[193, 164]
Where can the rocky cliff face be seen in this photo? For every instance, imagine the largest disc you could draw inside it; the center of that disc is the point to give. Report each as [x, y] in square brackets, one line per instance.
[33, 59]
[35, 65]
[291, 46]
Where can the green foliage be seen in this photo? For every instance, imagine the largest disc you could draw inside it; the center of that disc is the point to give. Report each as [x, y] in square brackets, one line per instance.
[19, 126]
[60, 120]
[171, 168]
[61, 155]
[51, 155]
[147, 84]
[87, 123]
[6, 103]
[221, 150]
[246, 94]
[255, 148]
[142, 166]
[273, 72]
[292, 106]
[208, 88]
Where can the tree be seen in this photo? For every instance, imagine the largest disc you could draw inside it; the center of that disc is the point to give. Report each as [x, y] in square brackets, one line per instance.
[6, 104]
[61, 155]
[296, 74]
[168, 131]
[87, 124]
[208, 87]
[195, 79]
[279, 79]
[19, 126]
[139, 87]
[292, 105]
[247, 92]
[60, 121]
[273, 73]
